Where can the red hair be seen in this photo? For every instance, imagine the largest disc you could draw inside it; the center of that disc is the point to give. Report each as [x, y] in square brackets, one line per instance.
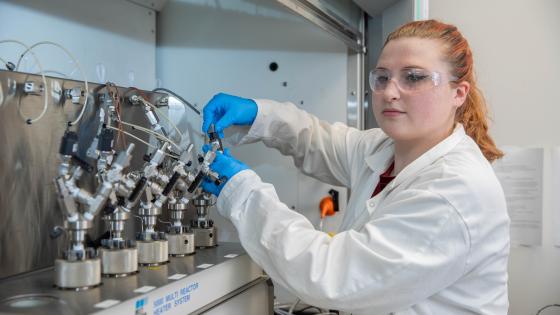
[473, 114]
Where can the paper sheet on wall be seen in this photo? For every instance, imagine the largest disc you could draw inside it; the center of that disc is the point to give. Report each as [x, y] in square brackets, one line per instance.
[556, 195]
[520, 172]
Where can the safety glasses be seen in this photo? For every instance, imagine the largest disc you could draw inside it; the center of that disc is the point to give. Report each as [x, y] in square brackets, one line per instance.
[408, 80]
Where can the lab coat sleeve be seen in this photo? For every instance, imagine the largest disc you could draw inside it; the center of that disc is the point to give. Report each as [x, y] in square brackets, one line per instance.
[319, 149]
[419, 247]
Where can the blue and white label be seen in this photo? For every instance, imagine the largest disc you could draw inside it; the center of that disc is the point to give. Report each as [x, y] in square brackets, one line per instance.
[140, 304]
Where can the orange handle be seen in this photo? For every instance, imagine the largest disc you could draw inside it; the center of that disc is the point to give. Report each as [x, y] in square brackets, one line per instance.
[326, 206]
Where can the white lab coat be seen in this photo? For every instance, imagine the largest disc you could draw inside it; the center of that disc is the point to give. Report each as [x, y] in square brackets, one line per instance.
[434, 241]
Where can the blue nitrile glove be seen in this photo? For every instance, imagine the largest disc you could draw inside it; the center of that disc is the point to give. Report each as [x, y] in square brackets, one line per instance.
[225, 110]
[226, 166]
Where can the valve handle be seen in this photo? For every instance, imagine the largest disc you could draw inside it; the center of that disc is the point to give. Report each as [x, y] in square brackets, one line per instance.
[56, 232]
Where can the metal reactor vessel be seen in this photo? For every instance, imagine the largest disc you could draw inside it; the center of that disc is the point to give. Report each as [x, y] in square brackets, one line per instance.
[180, 237]
[119, 256]
[205, 233]
[80, 267]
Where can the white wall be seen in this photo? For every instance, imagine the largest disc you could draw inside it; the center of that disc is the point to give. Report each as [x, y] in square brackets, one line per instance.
[115, 33]
[516, 46]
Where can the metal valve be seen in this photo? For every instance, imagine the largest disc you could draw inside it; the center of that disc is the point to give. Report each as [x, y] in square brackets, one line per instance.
[32, 88]
[74, 94]
[56, 232]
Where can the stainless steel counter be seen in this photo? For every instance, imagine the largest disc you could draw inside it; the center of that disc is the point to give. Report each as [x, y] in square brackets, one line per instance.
[196, 284]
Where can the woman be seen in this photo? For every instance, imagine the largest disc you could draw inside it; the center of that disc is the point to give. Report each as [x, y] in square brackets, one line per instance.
[426, 229]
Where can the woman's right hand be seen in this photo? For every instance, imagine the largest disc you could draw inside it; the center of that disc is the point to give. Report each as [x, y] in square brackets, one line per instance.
[225, 110]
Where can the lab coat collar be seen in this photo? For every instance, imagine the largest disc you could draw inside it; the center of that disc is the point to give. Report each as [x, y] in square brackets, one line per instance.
[379, 161]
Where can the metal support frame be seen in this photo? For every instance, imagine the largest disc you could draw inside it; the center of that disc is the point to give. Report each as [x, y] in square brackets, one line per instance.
[328, 21]
[356, 92]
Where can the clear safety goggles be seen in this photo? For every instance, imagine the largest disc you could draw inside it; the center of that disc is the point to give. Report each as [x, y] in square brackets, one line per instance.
[408, 80]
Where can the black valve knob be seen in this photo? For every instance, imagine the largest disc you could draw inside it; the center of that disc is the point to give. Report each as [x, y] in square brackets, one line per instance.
[108, 210]
[56, 232]
[138, 189]
[68, 142]
[220, 181]
[82, 163]
[10, 66]
[196, 182]
[106, 140]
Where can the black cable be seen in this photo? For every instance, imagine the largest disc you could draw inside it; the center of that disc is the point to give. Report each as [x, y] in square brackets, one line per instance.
[179, 97]
[308, 307]
[10, 66]
[545, 307]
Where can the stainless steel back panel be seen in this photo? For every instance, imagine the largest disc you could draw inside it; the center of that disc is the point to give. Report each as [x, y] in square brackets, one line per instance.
[29, 161]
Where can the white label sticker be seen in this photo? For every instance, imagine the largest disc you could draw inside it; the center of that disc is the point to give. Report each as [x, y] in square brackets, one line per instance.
[177, 276]
[204, 266]
[231, 255]
[144, 289]
[106, 303]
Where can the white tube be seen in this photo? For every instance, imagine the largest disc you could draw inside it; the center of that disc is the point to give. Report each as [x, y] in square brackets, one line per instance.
[291, 311]
[166, 118]
[146, 143]
[4, 62]
[75, 62]
[46, 93]
[149, 131]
